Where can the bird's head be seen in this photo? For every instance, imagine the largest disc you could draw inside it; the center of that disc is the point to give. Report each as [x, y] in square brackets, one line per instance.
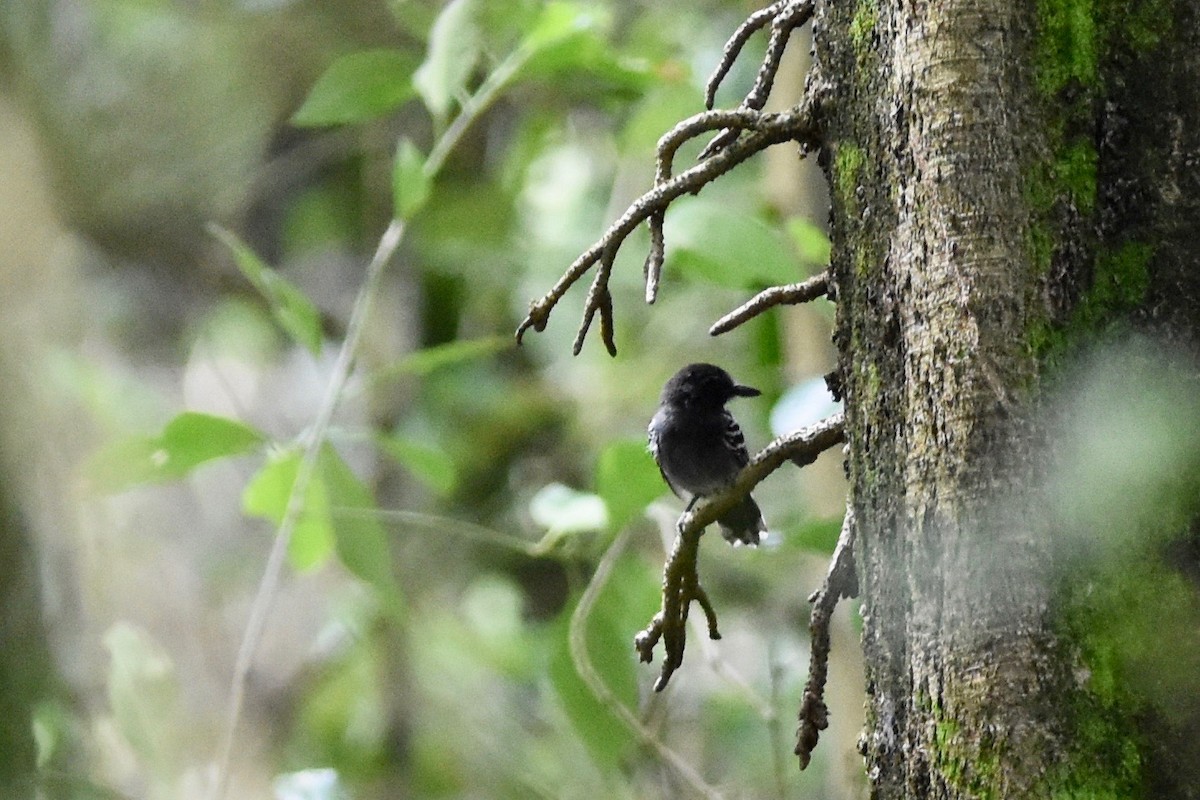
[703, 386]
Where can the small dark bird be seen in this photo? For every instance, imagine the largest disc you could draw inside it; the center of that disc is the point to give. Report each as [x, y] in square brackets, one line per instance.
[699, 447]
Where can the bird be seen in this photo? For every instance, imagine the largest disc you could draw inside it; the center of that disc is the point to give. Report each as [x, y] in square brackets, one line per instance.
[699, 447]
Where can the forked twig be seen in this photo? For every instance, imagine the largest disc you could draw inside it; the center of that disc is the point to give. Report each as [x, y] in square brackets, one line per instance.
[764, 130]
[784, 17]
[840, 581]
[681, 581]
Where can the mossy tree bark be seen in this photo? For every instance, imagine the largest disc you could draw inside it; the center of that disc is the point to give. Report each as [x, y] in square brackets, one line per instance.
[1007, 179]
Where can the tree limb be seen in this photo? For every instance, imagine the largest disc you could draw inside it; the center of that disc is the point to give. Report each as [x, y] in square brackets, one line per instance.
[791, 294]
[764, 131]
[784, 17]
[840, 581]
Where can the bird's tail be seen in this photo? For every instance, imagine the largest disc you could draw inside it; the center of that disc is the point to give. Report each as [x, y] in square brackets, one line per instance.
[744, 523]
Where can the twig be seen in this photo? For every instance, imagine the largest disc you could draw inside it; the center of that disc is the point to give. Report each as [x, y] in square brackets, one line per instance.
[791, 16]
[764, 130]
[577, 645]
[681, 582]
[840, 581]
[733, 48]
[668, 146]
[317, 434]
[791, 294]
[784, 18]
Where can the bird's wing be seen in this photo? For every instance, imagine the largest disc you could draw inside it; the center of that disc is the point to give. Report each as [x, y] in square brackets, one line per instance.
[734, 439]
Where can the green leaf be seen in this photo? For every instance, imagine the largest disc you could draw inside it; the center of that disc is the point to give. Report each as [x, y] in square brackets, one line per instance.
[292, 310]
[410, 183]
[362, 544]
[558, 23]
[266, 496]
[816, 535]
[431, 465]
[625, 604]
[627, 479]
[709, 241]
[454, 47]
[193, 438]
[189, 440]
[125, 463]
[811, 242]
[358, 87]
[337, 516]
[568, 38]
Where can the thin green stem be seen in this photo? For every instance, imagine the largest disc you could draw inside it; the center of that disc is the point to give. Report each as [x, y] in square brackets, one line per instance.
[473, 106]
[577, 644]
[389, 242]
[434, 523]
[316, 437]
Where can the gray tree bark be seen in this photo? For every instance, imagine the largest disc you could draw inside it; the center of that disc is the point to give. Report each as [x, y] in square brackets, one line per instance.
[1009, 181]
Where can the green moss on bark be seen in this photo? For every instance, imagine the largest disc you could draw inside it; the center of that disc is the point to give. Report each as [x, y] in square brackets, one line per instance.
[1076, 38]
[862, 27]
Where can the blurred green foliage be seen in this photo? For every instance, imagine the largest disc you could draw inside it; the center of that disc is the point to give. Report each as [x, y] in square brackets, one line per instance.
[467, 489]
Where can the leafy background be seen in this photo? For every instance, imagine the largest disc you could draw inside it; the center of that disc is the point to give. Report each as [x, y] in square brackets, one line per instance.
[196, 191]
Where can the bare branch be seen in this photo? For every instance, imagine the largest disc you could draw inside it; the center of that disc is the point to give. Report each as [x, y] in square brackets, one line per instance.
[784, 17]
[598, 299]
[840, 581]
[657, 255]
[791, 294]
[765, 130]
[681, 582]
[733, 48]
[791, 16]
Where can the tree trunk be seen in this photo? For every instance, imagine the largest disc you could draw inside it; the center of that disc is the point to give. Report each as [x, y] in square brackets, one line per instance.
[1007, 179]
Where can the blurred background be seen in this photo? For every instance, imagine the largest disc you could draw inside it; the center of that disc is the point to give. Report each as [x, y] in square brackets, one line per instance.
[193, 190]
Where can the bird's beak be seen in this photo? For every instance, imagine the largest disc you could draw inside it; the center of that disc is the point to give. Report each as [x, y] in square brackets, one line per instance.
[745, 391]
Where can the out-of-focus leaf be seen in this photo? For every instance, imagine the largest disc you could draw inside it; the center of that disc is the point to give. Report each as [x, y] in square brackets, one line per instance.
[624, 605]
[564, 510]
[189, 440]
[817, 535]
[707, 242]
[558, 22]
[193, 438]
[627, 479]
[143, 692]
[337, 516]
[454, 47]
[124, 463]
[362, 544]
[410, 184]
[310, 784]
[343, 714]
[569, 38]
[266, 496]
[432, 465]
[811, 242]
[358, 87]
[294, 312]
